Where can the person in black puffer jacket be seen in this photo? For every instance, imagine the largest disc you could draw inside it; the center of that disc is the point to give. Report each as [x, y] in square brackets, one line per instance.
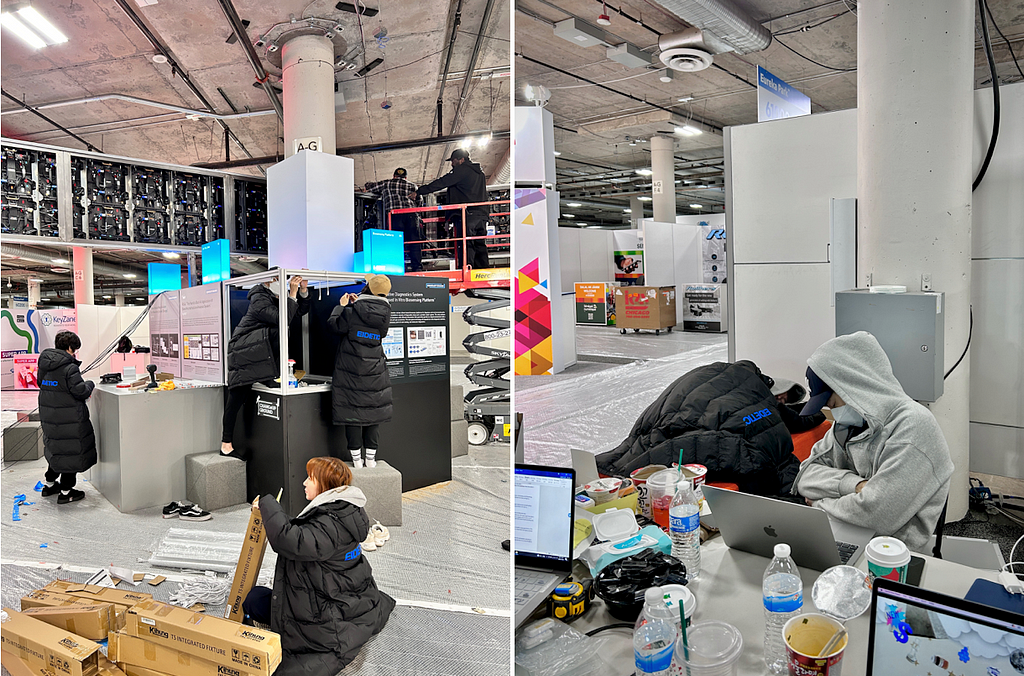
[68, 440]
[325, 603]
[361, 387]
[253, 349]
[722, 416]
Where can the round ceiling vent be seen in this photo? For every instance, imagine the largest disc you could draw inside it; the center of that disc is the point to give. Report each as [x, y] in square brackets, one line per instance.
[60, 271]
[685, 59]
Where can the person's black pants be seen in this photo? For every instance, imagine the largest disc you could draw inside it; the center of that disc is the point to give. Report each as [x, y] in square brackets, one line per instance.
[67, 479]
[477, 248]
[409, 226]
[257, 604]
[362, 436]
[236, 398]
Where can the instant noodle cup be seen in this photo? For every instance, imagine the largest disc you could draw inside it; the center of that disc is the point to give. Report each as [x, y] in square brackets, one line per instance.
[806, 635]
[603, 490]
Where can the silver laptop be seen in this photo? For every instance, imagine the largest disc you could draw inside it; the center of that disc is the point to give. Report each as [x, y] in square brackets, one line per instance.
[756, 524]
[543, 530]
[585, 464]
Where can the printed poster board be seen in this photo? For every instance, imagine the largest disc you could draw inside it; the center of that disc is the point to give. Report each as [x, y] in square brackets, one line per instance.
[629, 267]
[702, 307]
[202, 339]
[165, 332]
[595, 303]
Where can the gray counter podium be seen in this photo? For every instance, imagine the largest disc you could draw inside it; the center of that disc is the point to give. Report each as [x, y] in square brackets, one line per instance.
[142, 440]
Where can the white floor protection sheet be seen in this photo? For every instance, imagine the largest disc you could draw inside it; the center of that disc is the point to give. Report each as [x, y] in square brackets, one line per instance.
[596, 411]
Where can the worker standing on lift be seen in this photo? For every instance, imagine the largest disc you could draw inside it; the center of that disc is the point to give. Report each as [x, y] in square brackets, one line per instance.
[400, 193]
[466, 184]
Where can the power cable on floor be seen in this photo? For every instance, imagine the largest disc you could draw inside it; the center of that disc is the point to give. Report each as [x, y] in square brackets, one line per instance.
[982, 8]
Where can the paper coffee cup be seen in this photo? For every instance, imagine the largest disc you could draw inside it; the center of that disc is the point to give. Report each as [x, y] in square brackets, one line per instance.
[806, 635]
[889, 558]
[639, 477]
[677, 595]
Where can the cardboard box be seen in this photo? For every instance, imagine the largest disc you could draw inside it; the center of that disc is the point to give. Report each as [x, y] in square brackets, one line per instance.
[211, 638]
[132, 670]
[108, 668]
[135, 652]
[645, 307]
[91, 621]
[39, 644]
[44, 598]
[248, 569]
[17, 666]
[122, 599]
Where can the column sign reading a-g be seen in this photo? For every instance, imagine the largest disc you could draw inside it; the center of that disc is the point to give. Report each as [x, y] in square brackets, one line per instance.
[314, 143]
[776, 99]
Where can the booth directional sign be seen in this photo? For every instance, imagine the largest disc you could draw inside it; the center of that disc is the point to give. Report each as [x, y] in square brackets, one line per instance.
[777, 99]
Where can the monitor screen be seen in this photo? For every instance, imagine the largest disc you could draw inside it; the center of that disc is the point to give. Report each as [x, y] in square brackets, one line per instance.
[915, 631]
[544, 515]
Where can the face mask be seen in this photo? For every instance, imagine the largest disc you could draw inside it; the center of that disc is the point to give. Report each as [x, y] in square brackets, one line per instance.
[844, 415]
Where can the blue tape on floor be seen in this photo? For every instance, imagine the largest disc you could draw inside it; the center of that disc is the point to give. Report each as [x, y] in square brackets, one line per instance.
[39, 487]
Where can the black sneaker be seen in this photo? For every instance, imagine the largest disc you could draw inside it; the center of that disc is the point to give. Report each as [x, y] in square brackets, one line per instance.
[194, 513]
[71, 496]
[172, 510]
[237, 454]
[49, 489]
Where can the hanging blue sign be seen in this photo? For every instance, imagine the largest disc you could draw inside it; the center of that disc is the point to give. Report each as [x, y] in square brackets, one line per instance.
[164, 277]
[776, 99]
[216, 261]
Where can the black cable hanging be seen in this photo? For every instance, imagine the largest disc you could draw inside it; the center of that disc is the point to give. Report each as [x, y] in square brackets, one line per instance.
[982, 7]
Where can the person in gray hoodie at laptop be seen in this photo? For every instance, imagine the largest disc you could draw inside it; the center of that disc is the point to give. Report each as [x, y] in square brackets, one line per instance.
[884, 464]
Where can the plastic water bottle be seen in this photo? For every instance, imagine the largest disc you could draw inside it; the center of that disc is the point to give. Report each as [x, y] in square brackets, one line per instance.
[655, 608]
[684, 529]
[654, 640]
[783, 598]
[292, 381]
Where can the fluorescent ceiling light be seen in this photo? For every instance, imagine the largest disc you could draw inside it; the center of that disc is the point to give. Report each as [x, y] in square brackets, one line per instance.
[171, 255]
[628, 211]
[568, 215]
[483, 140]
[466, 143]
[107, 297]
[686, 99]
[645, 198]
[59, 261]
[47, 29]
[573, 204]
[696, 206]
[129, 275]
[644, 172]
[688, 130]
[21, 30]
[557, 153]
[34, 279]
[582, 225]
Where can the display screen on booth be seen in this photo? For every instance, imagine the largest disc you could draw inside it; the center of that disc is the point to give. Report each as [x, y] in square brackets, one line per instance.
[383, 252]
[216, 261]
[164, 277]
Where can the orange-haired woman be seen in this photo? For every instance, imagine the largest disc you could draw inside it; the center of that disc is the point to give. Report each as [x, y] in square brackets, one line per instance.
[325, 603]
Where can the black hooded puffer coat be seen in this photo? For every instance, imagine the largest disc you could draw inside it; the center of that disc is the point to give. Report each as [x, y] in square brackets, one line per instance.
[252, 350]
[325, 603]
[361, 387]
[68, 440]
[722, 416]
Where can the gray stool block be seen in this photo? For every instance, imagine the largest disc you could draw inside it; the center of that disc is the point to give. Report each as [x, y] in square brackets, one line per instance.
[23, 441]
[213, 481]
[382, 486]
[460, 438]
[458, 404]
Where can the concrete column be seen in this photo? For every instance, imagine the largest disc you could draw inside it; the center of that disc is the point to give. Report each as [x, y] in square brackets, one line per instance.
[119, 298]
[636, 210]
[663, 164]
[307, 63]
[33, 293]
[914, 118]
[82, 259]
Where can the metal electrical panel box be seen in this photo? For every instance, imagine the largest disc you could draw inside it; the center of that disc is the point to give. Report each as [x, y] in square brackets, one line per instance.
[908, 326]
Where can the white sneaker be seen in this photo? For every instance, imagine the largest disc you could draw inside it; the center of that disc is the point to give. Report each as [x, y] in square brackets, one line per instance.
[370, 543]
[357, 464]
[380, 534]
[370, 462]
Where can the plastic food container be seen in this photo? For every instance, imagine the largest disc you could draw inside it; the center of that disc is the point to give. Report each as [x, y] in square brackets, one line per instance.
[714, 649]
[603, 490]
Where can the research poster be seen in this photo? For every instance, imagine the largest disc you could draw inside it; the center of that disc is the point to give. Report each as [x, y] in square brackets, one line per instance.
[702, 307]
[201, 333]
[165, 332]
[416, 345]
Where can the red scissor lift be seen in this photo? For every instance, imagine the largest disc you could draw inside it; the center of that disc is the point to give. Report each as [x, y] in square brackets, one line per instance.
[486, 409]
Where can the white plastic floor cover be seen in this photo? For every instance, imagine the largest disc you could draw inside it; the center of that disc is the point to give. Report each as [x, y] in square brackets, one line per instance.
[414, 641]
[596, 411]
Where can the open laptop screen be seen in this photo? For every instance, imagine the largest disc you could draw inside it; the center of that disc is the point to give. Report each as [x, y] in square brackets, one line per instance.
[544, 516]
[915, 631]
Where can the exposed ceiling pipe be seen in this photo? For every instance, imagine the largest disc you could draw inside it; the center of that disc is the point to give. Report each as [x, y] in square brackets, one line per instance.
[504, 174]
[447, 64]
[472, 63]
[723, 21]
[238, 28]
[142, 102]
[30, 109]
[355, 150]
[175, 68]
[98, 267]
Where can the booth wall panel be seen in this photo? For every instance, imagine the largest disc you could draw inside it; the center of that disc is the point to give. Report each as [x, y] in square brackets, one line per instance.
[998, 203]
[659, 263]
[997, 359]
[994, 450]
[596, 261]
[569, 248]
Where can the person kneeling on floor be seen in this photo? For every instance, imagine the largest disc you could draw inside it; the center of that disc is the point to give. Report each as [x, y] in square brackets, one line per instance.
[325, 603]
[69, 443]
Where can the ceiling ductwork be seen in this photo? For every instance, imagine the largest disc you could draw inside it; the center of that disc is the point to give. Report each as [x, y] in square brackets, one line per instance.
[45, 258]
[718, 27]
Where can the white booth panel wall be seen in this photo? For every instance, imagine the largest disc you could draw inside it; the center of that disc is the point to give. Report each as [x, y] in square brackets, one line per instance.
[97, 327]
[569, 253]
[782, 174]
[779, 330]
[714, 220]
[568, 319]
[659, 261]
[597, 263]
[687, 240]
[995, 450]
[997, 344]
[998, 203]
[128, 314]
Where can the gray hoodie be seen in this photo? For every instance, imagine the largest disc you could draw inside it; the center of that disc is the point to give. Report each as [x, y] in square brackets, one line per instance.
[902, 453]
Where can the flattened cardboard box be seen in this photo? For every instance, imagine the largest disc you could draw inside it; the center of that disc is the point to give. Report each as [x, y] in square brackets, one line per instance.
[16, 666]
[108, 668]
[42, 645]
[216, 639]
[91, 621]
[132, 670]
[137, 652]
[123, 597]
[47, 598]
[248, 569]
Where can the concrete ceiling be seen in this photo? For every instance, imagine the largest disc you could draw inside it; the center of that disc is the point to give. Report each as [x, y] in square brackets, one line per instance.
[108, 54]
[602, 135]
